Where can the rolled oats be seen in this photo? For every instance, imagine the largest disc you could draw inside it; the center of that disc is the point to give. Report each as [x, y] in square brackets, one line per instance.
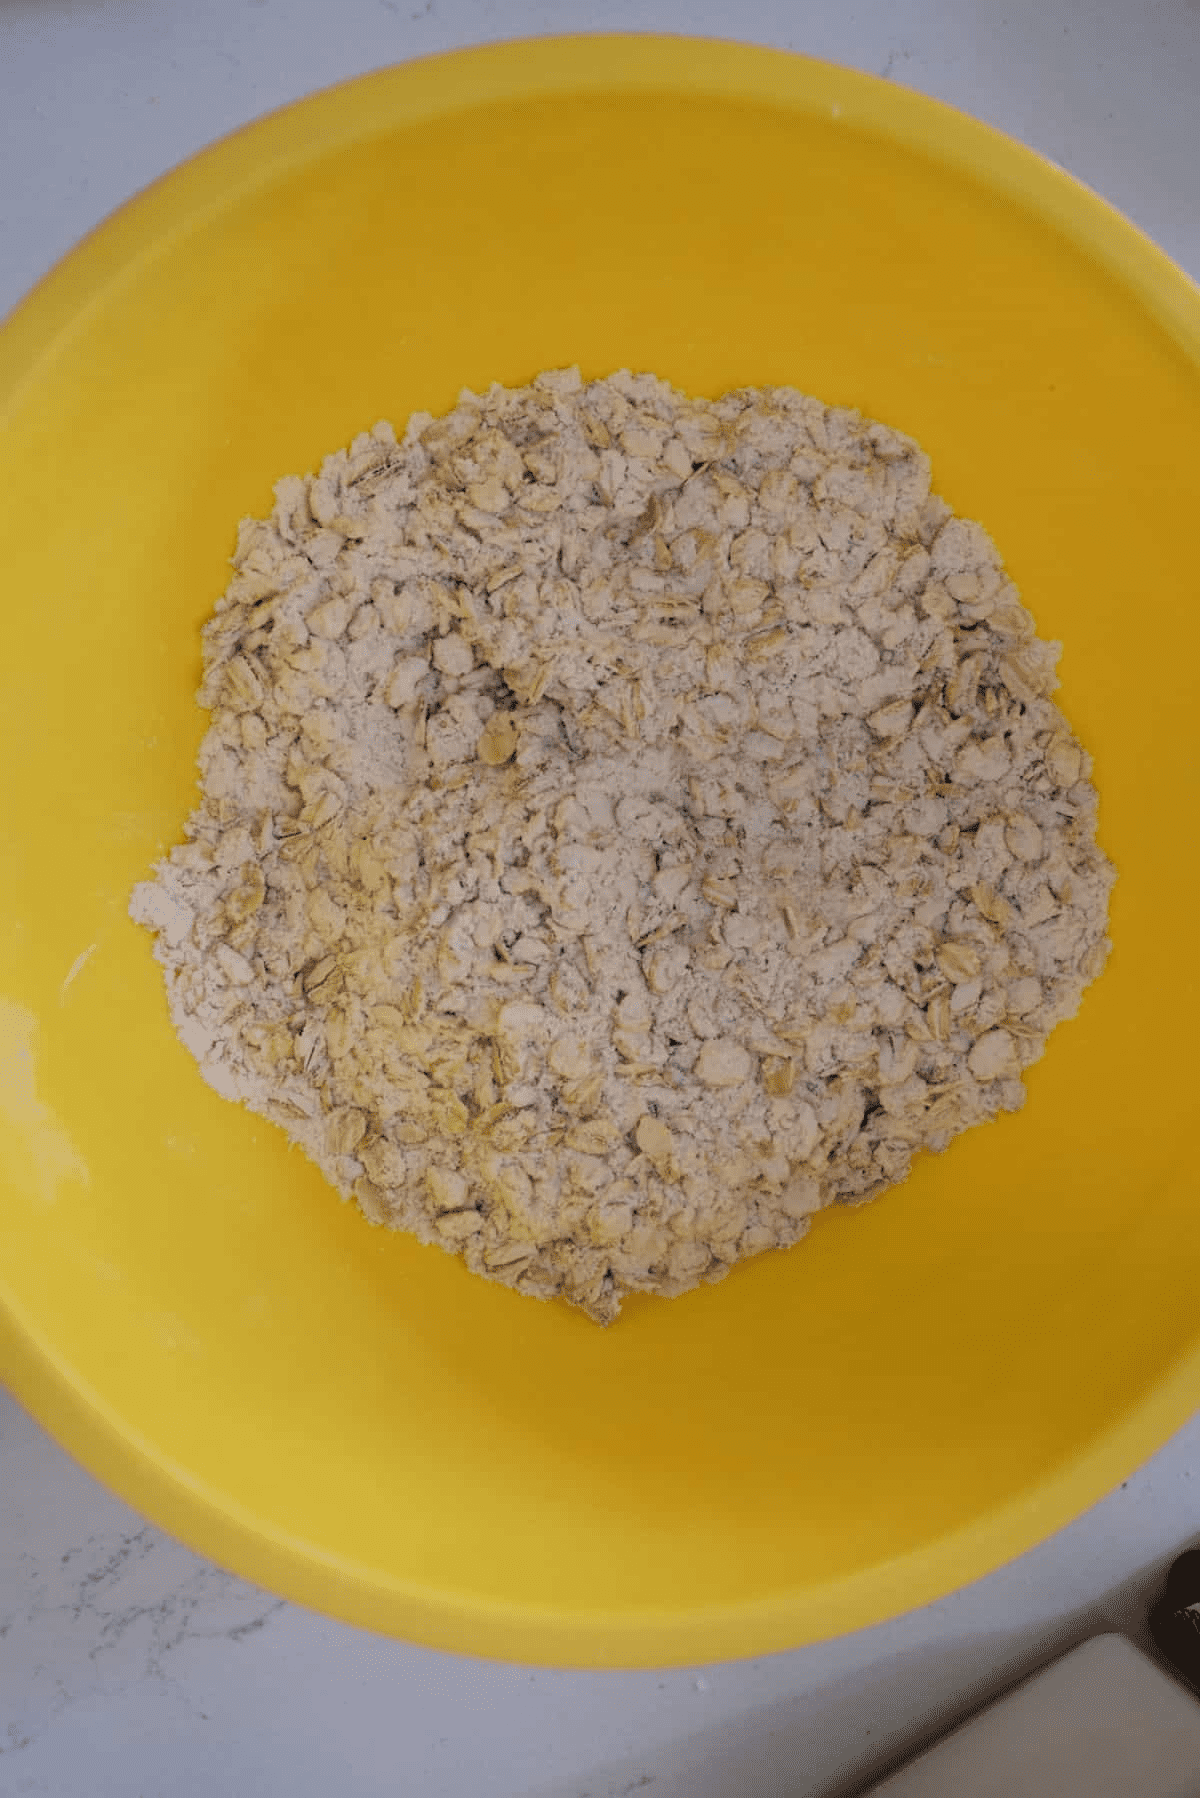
[628, 824]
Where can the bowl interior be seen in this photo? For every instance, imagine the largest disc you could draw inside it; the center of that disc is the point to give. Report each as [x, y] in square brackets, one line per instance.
[929, 1383]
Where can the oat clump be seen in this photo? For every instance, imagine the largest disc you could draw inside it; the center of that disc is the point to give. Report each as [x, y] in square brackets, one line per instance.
[629, 823]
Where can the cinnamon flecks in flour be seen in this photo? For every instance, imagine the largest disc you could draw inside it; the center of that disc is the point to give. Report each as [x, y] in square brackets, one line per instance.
[629, 823]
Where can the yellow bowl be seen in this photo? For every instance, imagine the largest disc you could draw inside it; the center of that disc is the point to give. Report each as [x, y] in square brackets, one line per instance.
[929, 1384]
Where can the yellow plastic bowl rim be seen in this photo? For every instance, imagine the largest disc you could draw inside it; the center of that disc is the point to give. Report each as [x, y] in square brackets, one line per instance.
[311, 127]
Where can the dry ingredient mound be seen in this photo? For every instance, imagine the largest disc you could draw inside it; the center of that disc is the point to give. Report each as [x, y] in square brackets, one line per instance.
[629, 823]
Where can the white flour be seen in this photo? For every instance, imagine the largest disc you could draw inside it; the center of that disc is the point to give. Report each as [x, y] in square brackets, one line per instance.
[628, 825]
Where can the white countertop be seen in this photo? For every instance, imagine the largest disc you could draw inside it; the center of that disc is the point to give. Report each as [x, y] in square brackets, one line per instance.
[130, 1667]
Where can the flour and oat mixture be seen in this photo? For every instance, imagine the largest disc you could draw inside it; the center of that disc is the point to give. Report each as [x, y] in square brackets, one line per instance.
[629, 824]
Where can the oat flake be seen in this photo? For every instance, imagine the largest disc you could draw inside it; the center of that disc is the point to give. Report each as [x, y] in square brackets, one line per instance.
[629, 823]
